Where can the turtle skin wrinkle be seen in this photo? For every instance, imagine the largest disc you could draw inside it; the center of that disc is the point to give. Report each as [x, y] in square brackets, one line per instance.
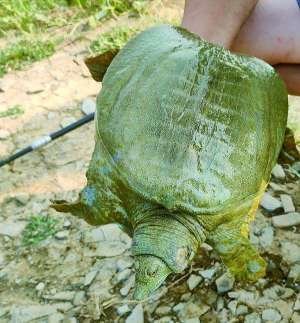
[187, 134]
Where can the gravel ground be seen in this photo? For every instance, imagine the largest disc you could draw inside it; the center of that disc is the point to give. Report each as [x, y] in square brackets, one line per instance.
[85, 273]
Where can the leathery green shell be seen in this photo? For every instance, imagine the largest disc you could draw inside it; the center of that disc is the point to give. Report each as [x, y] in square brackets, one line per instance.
[187, 134]
[190, 125]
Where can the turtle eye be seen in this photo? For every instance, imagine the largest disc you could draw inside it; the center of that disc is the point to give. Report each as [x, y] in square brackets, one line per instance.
[152, 271]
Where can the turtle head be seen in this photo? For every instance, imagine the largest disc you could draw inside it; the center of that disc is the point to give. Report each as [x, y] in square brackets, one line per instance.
[151, 272]
[161, 245]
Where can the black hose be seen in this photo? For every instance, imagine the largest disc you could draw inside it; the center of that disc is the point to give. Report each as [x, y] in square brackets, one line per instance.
[46, 139]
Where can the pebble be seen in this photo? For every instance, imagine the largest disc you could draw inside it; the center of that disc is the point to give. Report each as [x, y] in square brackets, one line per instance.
[271, 315]
[67, 224]
[296, 318]
[67, 121]
[278, 172]
[124, 291]
[79, 298]
[270, 203]
[290, 252]
[88, 106]
[62, 235]
[208, 273]
[22, 198]
[123, 275]
[286, 220]
[124, 263]
[4, 134]
[241, 310]
[232, 306]
[12, 229]
[266, 237]
[61, 296]
[89, 277]
[192, 320]
[137, 315]
[56, 318]
[224, 283]
[294, 273]
[163, 310]
[287, 203]
[40, 286]
[297, 304]
[31, 312]
[121, 310]
[253, 318]
[296, 166]
[194, 281]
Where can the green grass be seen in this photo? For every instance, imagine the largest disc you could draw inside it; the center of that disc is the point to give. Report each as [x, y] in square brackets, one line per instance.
[31, 16]
[12, 112]
[24, 52]
[114, 39]
[38, 229]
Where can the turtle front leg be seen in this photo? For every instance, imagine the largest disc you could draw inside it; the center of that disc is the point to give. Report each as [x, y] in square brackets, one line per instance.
[236, 252]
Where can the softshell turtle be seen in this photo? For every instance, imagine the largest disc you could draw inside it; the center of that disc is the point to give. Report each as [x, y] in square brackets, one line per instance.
[187, 134]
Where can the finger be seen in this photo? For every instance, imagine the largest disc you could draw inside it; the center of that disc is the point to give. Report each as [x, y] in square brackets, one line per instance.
[290, 73]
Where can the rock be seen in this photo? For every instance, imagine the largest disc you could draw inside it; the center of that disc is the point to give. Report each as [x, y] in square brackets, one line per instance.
[4, 134]
[61, 296]
[12, 229]
[2, 260]
[27, 313]
[208, 273]
[192, 320]
[179, 307]
[123, 275]
[165, 319]
[137, 315]
[90, 277]
[62, 235]
[192, 309]
[163, 310]
[266, 237]
[121, 310]
[296, 166]
[194, 281]
[22, 198]
[56, 318]
[252, 318]
[225, 283]
[271, 315]
[67, 224]
[287, 203]
[39, 287]
[285, 308]
[296, 318]
[66, 121]
[245, 297]
[241, 310]
[127, 286]
[286, 220]
[278, 172]
[88, 106]
[79, 298]
[294, 273]
[220, 303]
[232, 306]
[297, 304]
[290, 252]
[124, 263]
[72, 320]
[270, 203]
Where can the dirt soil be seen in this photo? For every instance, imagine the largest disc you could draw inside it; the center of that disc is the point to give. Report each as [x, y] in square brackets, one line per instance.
[85, 274]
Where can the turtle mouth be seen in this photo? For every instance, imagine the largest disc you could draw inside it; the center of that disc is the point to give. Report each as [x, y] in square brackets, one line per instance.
[151, 272]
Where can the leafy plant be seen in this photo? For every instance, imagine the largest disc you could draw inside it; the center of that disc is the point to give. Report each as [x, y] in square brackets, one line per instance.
[38, 229]
[24, 52]
[12, 112]
[114, 39]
